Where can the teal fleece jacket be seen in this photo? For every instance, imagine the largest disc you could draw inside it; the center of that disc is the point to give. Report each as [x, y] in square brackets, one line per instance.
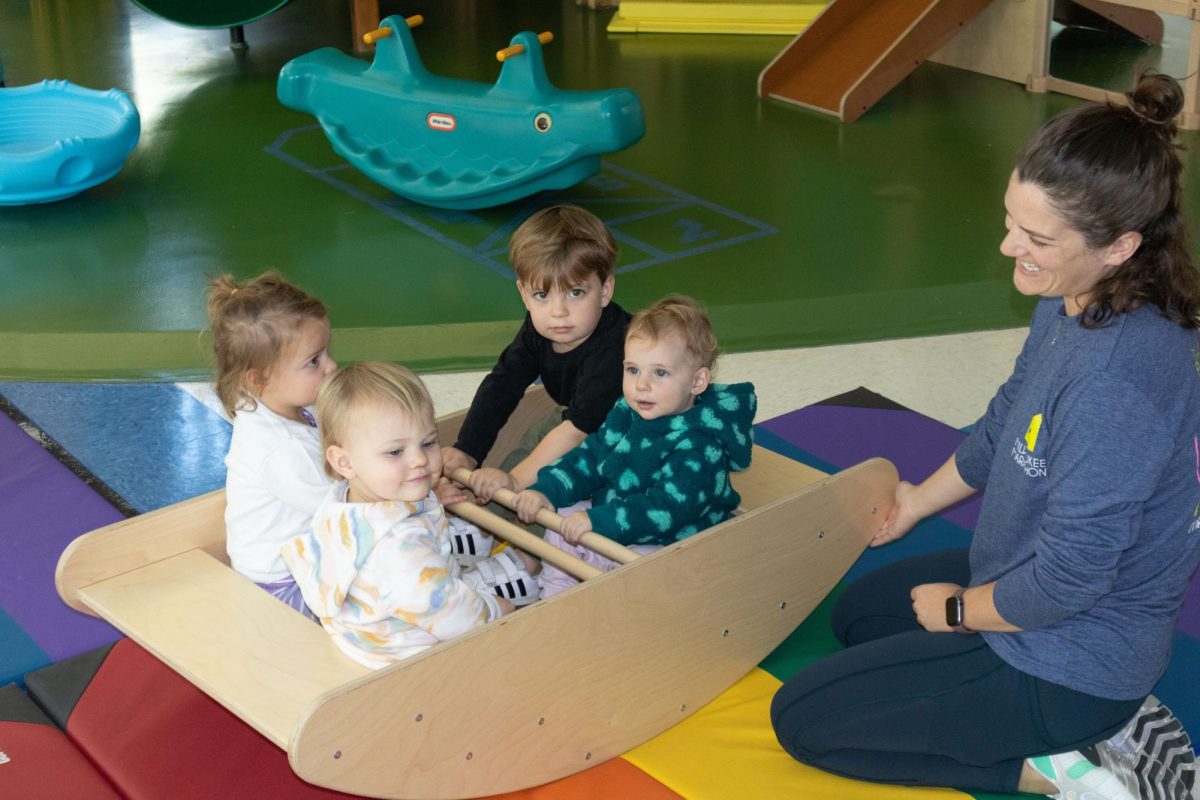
[655, 481]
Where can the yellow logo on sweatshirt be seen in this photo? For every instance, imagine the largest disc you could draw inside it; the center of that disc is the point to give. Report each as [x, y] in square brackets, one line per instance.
[1031, 435]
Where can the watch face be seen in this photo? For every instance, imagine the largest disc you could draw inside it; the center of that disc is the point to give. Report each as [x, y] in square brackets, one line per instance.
[954, 611]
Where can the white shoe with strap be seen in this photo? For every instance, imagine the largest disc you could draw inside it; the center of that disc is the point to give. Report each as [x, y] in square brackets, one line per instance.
[505, 576]
[1077, 778]
[468, 543]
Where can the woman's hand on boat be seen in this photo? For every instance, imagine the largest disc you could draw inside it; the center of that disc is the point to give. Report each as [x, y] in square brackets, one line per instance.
[486, 481]
[575, 526]
[528, 503]
[929, 604]
[902, 518]
[506, 606]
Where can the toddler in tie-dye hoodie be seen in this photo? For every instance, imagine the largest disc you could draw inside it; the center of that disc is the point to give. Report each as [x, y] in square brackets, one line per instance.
[658, 469]
[376, 567]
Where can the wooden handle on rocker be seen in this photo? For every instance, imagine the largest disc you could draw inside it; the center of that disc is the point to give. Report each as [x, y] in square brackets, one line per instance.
[515, 534]
[591, 540]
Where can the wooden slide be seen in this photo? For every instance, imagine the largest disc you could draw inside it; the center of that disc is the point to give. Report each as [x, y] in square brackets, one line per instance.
[559, 686]
[857, 50]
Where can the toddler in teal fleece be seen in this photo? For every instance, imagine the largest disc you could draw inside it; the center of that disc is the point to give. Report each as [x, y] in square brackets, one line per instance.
[658, 469]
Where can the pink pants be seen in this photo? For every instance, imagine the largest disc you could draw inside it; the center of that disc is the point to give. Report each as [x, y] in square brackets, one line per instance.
[553, 580]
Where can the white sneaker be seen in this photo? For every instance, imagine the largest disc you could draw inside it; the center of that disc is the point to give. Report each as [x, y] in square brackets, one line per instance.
[504, 575]
[468, 544]
[1152, 755]
[1079, 779]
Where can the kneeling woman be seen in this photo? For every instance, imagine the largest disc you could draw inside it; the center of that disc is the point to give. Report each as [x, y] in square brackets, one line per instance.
[1088, 532]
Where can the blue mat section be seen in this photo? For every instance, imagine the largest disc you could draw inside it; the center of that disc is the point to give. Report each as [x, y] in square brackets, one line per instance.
[1178, 688]
[778, 444]
[18, 653]
[932, 534]
[152, 444]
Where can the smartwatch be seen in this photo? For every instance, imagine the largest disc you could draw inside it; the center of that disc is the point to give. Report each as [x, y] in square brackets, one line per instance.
[956, 613]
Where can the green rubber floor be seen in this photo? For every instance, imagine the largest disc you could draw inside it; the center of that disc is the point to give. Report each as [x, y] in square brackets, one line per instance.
[793, 228]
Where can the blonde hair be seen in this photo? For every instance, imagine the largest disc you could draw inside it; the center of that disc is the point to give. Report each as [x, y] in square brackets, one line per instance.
[252, 323]
[561, 246]
[680, 315]
[364, 384]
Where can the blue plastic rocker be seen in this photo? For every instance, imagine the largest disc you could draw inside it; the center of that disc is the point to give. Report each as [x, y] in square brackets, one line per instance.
[453, 143]
[57, 139]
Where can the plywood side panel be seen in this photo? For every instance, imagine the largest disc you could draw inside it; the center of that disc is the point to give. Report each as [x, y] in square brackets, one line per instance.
[587, 674]
[198, 523]
[1008, 40]
[245, 649]
[1141, 23]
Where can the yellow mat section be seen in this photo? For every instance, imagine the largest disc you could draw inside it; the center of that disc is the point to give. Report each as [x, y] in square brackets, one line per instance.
[778, 17]
[728, 749]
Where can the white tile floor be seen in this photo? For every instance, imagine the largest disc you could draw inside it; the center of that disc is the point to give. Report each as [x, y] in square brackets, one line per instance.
[949, 378]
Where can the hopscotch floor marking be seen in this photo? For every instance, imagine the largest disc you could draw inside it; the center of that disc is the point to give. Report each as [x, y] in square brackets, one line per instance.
[681, 224]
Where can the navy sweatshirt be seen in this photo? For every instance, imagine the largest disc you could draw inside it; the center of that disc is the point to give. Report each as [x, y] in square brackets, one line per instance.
[1089, 525]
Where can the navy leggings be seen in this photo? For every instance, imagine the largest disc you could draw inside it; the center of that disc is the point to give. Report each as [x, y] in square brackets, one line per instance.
[903, 705]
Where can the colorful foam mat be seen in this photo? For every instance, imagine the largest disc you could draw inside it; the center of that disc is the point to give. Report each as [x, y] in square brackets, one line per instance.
[38, 761]
[153, 735]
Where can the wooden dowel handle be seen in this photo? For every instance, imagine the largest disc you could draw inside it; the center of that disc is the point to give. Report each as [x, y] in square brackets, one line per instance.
[371, 37]
[523, 539]
[614, 551]
[545, 37]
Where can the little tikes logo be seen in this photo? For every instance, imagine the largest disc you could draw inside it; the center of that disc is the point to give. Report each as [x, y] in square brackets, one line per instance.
[1024, 449]
[441, 122]
[4, 759]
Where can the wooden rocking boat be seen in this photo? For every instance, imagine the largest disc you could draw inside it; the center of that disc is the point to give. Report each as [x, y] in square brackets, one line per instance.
[560, 686]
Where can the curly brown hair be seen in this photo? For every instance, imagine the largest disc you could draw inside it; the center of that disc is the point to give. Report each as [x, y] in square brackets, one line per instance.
[251, 324]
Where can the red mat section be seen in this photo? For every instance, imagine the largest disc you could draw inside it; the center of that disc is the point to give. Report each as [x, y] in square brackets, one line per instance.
[41, 764]
[37, 761]
[156, 736]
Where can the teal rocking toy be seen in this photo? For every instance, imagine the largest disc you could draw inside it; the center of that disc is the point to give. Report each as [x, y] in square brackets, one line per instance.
[453, 143]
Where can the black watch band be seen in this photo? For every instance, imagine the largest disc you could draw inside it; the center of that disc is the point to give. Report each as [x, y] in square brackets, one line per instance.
[956, 613]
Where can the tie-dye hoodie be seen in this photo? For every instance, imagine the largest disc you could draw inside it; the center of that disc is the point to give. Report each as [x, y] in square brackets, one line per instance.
[655, 481]
[380, 578]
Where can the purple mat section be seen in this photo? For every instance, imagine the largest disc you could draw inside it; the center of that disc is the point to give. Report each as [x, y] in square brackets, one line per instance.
[43, 506]
[844, 436]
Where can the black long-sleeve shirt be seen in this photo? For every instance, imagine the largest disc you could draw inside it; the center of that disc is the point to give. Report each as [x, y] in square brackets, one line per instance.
[586, 379]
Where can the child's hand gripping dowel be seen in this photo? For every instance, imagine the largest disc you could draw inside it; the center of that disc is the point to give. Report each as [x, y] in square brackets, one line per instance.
[515, 534]
[591, 540]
